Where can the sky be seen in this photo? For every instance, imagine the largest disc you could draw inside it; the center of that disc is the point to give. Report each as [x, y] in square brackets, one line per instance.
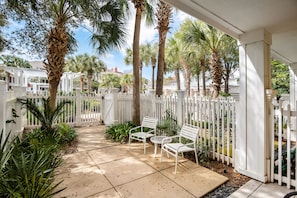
[115, 57]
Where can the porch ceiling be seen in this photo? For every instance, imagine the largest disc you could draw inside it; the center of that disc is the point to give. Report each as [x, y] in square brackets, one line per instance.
[236, 17]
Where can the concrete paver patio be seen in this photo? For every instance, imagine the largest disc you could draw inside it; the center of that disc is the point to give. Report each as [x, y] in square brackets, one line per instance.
[102, 168]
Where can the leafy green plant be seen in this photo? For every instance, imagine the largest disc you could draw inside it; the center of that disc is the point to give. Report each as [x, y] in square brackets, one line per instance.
[31, 174]
[119, 132]
[203, 154]
[65, 134]
[168, 125]
[44, 114]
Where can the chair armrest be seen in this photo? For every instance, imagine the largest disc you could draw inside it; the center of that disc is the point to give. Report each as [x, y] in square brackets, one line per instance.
[184, 145]
[133, 129]
[151, 131]
[169, 138]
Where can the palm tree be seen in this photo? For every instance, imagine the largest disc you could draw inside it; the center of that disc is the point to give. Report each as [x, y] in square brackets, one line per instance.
[110, 81]
[126, 82]
[172, 59]
[60, 15]
[93, 66]
[144, 59]
[142, 7]
[75, 64]
[85, 64]
[14, 61]
[3, 22]
[212, 40]
[230, 59]
[164, 12]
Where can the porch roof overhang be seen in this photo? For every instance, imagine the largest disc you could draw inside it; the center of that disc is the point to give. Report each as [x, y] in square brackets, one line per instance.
[236, 17]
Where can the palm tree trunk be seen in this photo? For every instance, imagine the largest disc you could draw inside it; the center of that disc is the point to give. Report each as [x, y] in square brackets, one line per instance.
[56, 52]
[82, 83]
[163, 16]
[198, 83]
[89, 83]
[227, 76]
[177, 76]
[161, 63]
[202, 61]
[136, 93]
[140, 76]
[216, 72]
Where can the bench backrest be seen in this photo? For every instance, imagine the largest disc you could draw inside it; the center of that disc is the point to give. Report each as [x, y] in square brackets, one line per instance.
[149, 122]
[189, 132]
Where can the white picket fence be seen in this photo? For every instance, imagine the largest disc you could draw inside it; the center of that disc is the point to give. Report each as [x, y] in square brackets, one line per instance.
[215, 117]
[283, 166]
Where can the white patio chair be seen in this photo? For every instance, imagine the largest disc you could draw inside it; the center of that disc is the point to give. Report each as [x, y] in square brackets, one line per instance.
[188, 134]
[138, 133]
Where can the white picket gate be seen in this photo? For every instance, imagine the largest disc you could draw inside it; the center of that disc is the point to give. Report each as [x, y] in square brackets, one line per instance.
[84, 110]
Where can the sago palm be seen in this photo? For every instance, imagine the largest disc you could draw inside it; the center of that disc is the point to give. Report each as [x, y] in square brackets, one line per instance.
[43, 113]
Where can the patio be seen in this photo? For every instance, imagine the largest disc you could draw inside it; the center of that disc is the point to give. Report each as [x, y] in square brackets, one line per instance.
[102, 168]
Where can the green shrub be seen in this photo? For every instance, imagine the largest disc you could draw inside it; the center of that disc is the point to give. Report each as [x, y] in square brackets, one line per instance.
[64, 134]
[27, 170]
[168, 126]
[119, 132]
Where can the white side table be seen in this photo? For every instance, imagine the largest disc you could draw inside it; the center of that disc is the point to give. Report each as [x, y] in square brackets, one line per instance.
[158, 140]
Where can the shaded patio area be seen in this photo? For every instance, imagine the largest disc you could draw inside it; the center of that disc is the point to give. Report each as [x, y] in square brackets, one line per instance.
[102, 168]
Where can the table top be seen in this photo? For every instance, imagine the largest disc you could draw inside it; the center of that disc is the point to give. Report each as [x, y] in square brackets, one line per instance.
[158, 139]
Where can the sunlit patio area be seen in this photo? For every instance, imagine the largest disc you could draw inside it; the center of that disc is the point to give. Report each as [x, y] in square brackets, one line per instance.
[101, 168]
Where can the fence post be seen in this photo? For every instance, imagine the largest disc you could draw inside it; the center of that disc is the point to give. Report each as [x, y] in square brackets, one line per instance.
[78, 108]
[180, 107]
[3, 108]
[114, 92]
[19, 91]
[235, 141]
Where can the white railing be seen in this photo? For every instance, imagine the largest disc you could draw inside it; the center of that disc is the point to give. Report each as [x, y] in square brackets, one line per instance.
[11, 120]
[283, 164]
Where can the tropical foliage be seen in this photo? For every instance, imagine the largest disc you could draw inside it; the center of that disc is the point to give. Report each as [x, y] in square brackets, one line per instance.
[3, 23]
[88, 66]
[280, 78]
[44, 114]
[119, 132]
[28, 164]
[48, 29]
[14, 61]
[110, 80]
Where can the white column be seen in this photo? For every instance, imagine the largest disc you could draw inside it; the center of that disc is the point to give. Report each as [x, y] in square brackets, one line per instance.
[255, 78]
[293, 86]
